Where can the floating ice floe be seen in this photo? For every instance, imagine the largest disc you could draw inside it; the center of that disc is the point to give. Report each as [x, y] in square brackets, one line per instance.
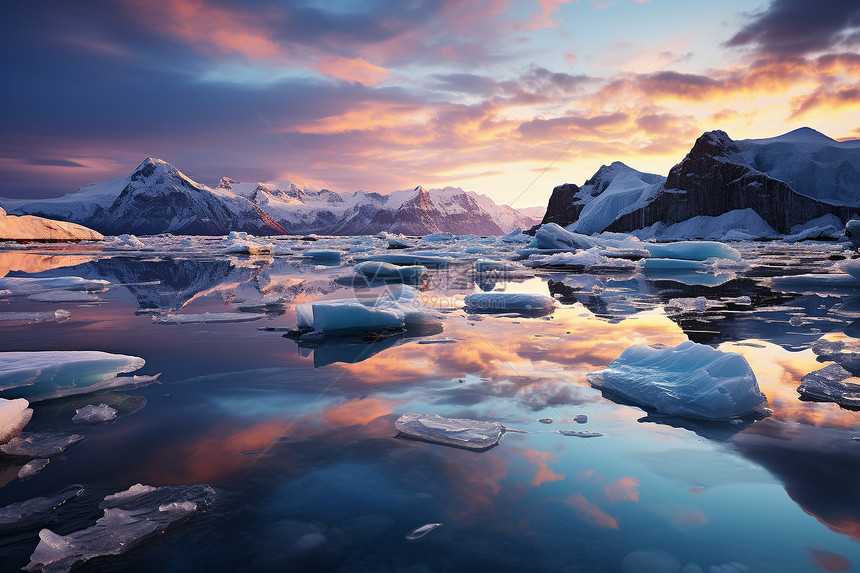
[348, 316]
[387, 271]
[90, 414]
[31, 285]
[689, 304]
[831, 384]
[420, 532]
[437, 237]
[812, 283]
[852, 231]
[39, 444]
[553, 236]
[580, 434]
[322, 255]
[458, 432]
[36, 511]
[130, 518]
[660, 264]
[241, 243]
[125, 243]
[509, 302]
[589, 259]
[14, 415]
[54, 374]
[206, 317]
[63, 296]
[689, 380]
[59, 315]
[851, 266]
[491, 266]
[693, 250]
[516, 236]
[395, 243]
[428, 260]
[32, 468]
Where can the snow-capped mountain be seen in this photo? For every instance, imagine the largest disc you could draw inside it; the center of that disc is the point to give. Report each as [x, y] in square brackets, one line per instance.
[158, 198]
[779, 183]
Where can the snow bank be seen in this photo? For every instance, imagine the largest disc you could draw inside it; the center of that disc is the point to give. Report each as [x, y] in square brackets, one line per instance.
[690, 380]
[457, 432]
[509, 302]
[30, 228]
[53, 374]
[14, 415]
[740, 224]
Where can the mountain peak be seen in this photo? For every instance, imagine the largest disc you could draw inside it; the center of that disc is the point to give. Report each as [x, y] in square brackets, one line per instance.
[149, 166]
[804, 135]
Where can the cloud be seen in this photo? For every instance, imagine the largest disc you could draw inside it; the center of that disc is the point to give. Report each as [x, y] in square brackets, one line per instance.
[623, 489]
[828, 561]
[591, 513]
[47, 162]
[541, 459]
[791, 28]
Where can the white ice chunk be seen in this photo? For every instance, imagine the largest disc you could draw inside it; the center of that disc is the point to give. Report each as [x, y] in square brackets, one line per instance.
[207, 318]
[382, 270]
[125, 243]
[343, 315]
[508, 302]
[489, 266]
[395, 243]
[463, 433]
[126, 523]
[590, 258]
[437, 237]
[39, 375]
[831, 384]
[687, 304]
[94, 414]
[420, 532]
[851, 266]
[552, 236]
[14, 415]
[693, 250]
[673, 264]
[241, 243]
[516, 236]
[852, 231]
[690, 380]
[427, 260]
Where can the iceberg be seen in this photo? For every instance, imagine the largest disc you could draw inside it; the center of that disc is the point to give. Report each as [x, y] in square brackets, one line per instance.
[32, 468]
[27, 228]
[462, 433]
[14, 415]
[129, 518]
[395, 243]
[125, 243]
[509, 302]
[831, 384]
[54, 374]
[690, 380]
[552, 236]
[90, 414]
[852, 231]
[379, 270]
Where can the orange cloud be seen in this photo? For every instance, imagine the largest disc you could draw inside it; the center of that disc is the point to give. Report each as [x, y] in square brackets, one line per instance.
[827, 561]
[589, 512]
[624, 489]
[541, 459]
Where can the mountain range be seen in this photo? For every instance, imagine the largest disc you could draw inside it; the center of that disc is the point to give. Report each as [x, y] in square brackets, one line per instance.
[761, 187]
[158, 198]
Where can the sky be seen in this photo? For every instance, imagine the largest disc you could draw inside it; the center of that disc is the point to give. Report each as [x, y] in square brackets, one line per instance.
[504, 98]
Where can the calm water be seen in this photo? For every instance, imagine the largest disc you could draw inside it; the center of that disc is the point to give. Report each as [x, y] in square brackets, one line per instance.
[299, 442]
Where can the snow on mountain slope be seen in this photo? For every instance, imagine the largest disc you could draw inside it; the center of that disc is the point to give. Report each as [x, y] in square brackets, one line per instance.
[613, 188]
[809, 162]
[76, 206]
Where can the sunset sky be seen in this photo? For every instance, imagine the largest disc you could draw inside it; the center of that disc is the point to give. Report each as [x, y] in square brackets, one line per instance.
[504, 98]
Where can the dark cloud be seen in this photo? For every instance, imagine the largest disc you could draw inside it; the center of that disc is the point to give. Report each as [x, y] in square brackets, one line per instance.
[53, 162]
[790, 28]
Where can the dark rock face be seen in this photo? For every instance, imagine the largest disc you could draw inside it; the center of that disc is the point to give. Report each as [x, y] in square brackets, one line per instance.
[709, 181]
[562, 208]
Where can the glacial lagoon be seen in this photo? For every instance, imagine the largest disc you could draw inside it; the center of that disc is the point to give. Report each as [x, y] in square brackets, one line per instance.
[291, 440]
